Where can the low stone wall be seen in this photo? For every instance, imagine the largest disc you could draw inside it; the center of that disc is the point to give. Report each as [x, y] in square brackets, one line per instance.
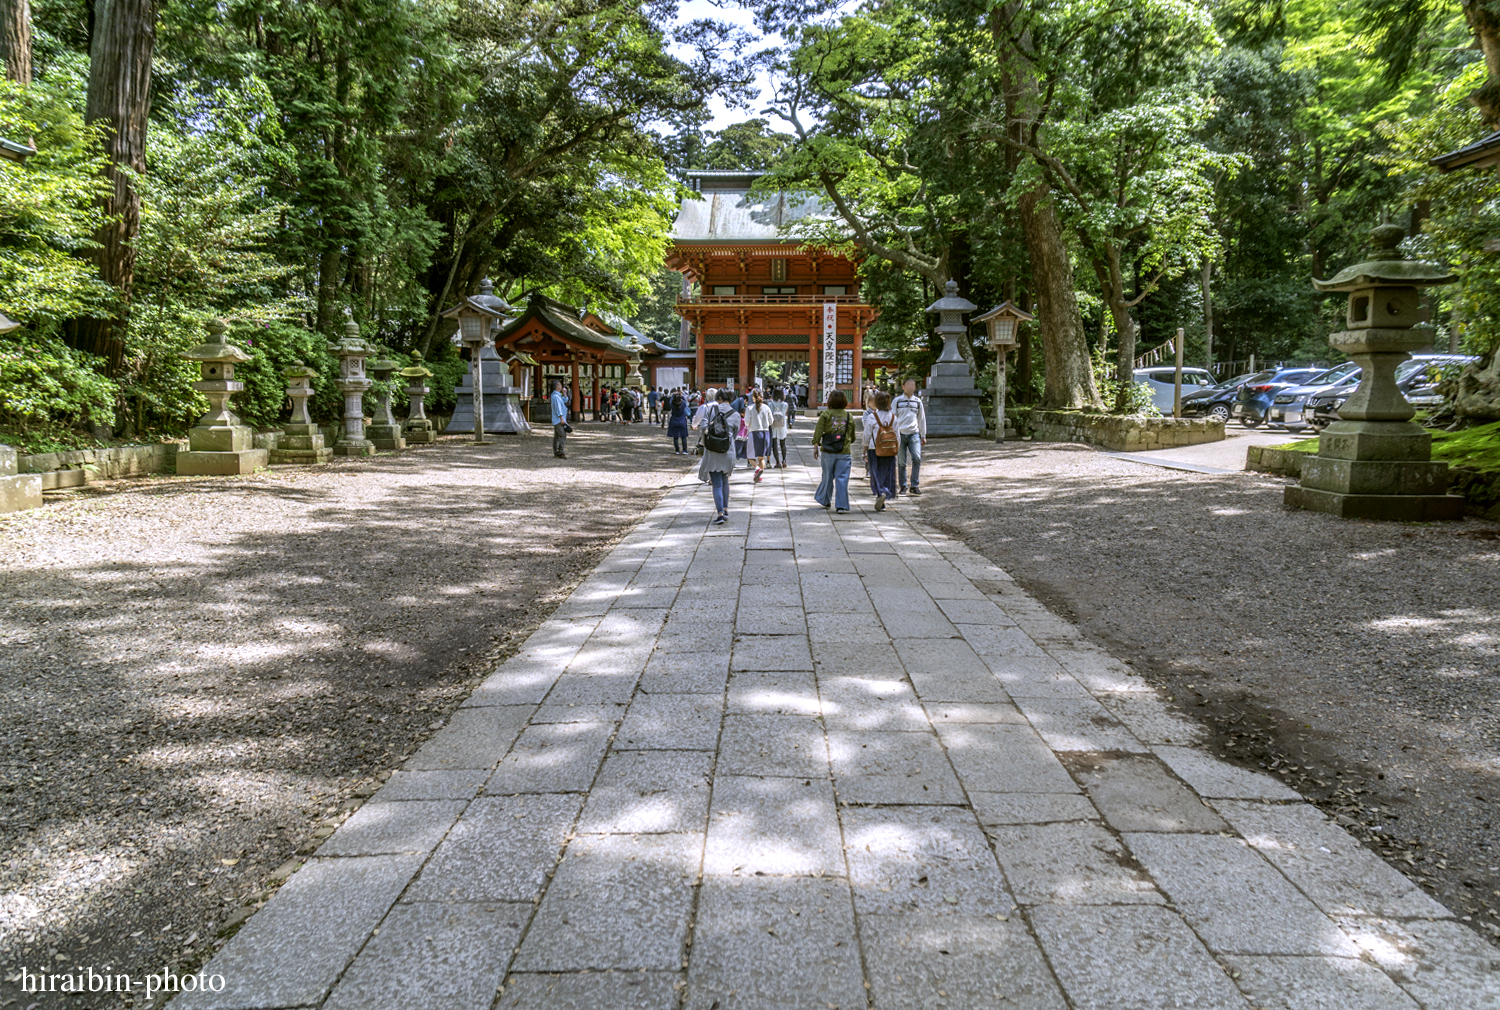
[1264, 459]
[77, 467]
[1123, 433]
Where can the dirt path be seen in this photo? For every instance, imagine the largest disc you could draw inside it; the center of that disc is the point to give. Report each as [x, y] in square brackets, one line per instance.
[1360, 661]
[197, 673]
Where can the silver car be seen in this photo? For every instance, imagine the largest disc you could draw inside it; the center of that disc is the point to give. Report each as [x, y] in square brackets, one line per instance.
[1163, 385]
[1289, 408]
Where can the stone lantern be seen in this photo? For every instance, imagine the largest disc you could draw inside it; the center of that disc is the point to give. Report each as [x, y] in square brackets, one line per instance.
[1001, 322]
[351, 352]
[633, 353]
[219, 443]
[952, 398]
[384, 430]
[477, 317]
[301, 441]
[1374, 463]
[417, 430]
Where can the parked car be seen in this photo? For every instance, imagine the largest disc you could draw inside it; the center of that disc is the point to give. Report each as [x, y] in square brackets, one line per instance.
[1417, 378]
[1253, 403]
[1217, 400]
[1163, 385]
[1289, 405]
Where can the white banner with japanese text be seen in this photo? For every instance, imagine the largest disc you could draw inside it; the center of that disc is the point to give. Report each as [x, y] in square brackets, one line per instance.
[830, 349]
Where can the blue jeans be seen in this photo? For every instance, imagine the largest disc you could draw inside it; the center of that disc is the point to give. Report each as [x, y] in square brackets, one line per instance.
[720, 481]
[835, 483]
[911, 445]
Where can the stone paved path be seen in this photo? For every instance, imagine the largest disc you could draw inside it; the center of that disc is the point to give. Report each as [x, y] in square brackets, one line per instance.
[809, 761]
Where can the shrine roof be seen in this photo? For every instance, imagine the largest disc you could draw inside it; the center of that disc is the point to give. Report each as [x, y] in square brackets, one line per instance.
[722, 209]
[564, 320]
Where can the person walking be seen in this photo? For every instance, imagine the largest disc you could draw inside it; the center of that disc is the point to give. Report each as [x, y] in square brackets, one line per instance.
[758, 420]
[559, 420]
[831, 439]
[677, 427]
[778, 428]
[882, 442]
[911, 425]
[653, 399]
[720, 422]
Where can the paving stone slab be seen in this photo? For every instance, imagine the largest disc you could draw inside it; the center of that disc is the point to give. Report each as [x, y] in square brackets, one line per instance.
[629, 625]
[271, 961]
[1003, 759]
[615, 990]
[613, 656]
[1234, 899]
[1152, 720]
[641, 792]
[616, 902]
[459, 785]
[862, 628]
[442, 956]
[672, 722]
[772, 745]
[1340, 875]
[920, 962]
[870, 703]
[771, 620]
[881, 767]
[1316, 983]
[995, 809]
[1034, 677]
[773, 826]
[990, 640]
[1442, 964]
[771, 652]
[954, 591]
[981, 712]
[975, 612]
[1099, 671]
[473, 738]
[1131, 957]
[792, 692]
[1215, 779]
[929, 860]
[768, 943]
[1075, 863]
[940, 659]
[1139, 794]
[653, 597]
[514, 684]
[501, 849]
[552, 758]
[872, 656]
[1078, 724]
[580, 697]
[686, 672]
[379, 828]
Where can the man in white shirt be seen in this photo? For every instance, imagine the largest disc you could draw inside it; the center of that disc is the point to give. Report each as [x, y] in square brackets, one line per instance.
[911, 425]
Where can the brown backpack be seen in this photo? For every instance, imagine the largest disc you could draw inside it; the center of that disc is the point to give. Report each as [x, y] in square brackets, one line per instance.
[887, 442]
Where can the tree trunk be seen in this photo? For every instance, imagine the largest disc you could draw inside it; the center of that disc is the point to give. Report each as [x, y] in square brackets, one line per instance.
[1484, 22]
[1208, 313]
[15, 39]
[119, 96]
[1112, 284]
[1069, 380]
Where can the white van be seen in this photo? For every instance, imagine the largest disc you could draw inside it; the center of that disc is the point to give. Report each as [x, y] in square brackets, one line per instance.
[1162, 381]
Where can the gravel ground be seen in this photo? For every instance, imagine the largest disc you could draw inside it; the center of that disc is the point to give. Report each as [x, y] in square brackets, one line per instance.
[201, 676]
[1359, 660]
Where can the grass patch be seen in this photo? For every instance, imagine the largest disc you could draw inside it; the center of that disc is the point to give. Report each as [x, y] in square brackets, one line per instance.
[1476, 448]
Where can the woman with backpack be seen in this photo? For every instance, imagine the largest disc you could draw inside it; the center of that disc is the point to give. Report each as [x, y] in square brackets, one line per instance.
[831, 440]
[778, 428]
[677, 426]
[758, 419]
[882, 443]
[720, 423]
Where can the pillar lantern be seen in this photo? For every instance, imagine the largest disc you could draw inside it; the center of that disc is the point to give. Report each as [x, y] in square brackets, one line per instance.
[351, 352]
[219, 443]
[1001, 323]
[633, 353]
[417, 429]
[477, 317]
[1374, 463]
[301, 440]
[952, 398]
[384, 430]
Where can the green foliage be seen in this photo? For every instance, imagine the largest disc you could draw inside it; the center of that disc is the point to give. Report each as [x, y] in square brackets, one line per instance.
[46, 388]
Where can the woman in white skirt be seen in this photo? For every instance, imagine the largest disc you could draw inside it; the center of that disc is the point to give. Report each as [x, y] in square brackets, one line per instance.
[778, 428]
[758, 418]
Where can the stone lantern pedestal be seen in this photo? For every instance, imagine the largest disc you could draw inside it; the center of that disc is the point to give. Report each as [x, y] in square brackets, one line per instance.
[301, 440]
[17, 490]
[385, 430]
[952, 398]
[351, 352]
[417, 430]
[1374, 463]
[219, 443]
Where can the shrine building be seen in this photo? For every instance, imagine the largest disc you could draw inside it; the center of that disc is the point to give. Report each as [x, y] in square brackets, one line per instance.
[752, 295]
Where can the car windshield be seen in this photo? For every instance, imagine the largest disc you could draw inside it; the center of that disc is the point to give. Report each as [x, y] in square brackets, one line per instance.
[1230, 383]
[1334, 375]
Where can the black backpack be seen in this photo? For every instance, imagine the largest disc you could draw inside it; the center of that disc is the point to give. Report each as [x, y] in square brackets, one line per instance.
[716, 437]
[834, 440]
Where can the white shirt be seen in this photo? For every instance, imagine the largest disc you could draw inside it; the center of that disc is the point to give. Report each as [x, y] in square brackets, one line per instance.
[778, 419]
[873, 418]
[758, 418]
[911, 415]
